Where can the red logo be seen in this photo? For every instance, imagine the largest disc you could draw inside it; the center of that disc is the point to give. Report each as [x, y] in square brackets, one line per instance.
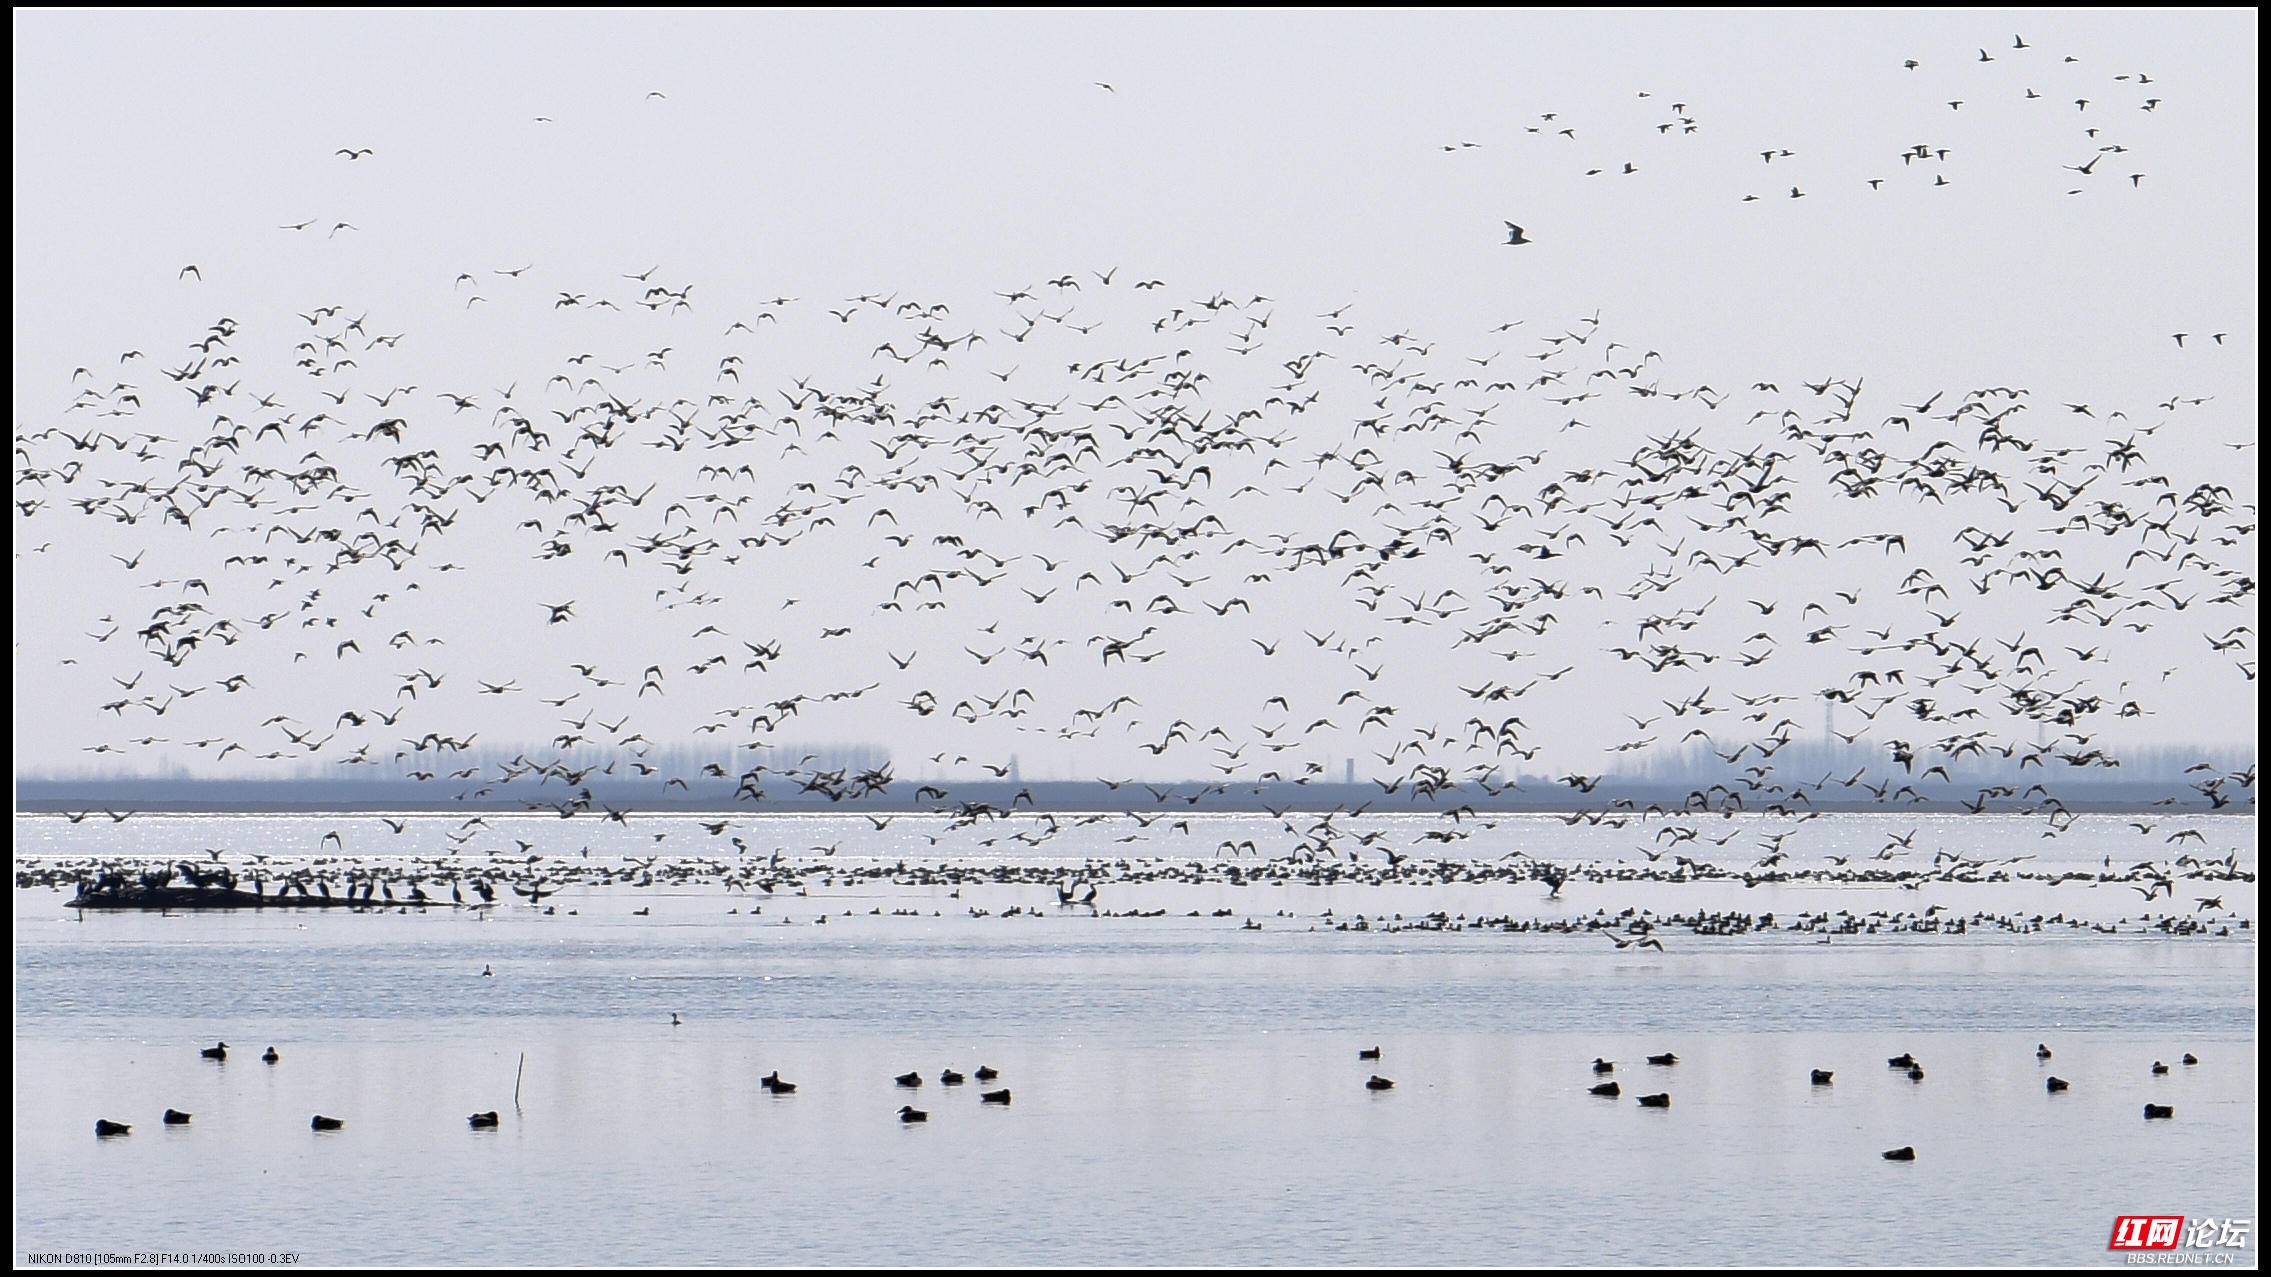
[2145, 1232]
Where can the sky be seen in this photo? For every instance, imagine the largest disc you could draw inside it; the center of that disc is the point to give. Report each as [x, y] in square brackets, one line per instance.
[1316, 160]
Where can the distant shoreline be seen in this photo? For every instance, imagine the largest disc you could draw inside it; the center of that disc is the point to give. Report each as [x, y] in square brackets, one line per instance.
[1610, 796]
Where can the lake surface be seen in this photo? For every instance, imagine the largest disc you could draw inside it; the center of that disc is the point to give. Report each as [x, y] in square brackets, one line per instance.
[1185, 1089]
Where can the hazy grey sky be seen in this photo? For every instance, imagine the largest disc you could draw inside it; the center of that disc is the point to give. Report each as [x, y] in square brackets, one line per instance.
[954, 157]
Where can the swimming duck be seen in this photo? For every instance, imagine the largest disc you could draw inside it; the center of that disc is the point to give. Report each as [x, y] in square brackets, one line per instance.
[1378, 1083]
[175, 1117]
[2056, 1084]
[321, 1123]
[995, 1097]
[269, 1056]
[1657, 1101]
[1822, 1077]
[2159, 1110]
[482, 1121]
[986, 1073]
[1610, 1089]
[910, 1079]
[950, 1078]
[217, 1052]
[1369, 1053]
[1667, 1058]
[909, 1113]
[1603, 1066]
[1902, 1154]
[105, 1128]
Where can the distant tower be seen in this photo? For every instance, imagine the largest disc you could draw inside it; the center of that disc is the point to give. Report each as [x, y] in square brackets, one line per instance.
[1348, 771]
[1014, 778]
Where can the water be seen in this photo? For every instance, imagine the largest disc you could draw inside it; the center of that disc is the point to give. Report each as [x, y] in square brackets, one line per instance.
[1185, 1091]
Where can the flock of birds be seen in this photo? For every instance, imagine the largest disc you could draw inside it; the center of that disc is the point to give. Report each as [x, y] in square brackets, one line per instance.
[1010, 889]
[1222, 535]
[2080, 125]
[300, 537]
[1905, 1064]
[773, 1083]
